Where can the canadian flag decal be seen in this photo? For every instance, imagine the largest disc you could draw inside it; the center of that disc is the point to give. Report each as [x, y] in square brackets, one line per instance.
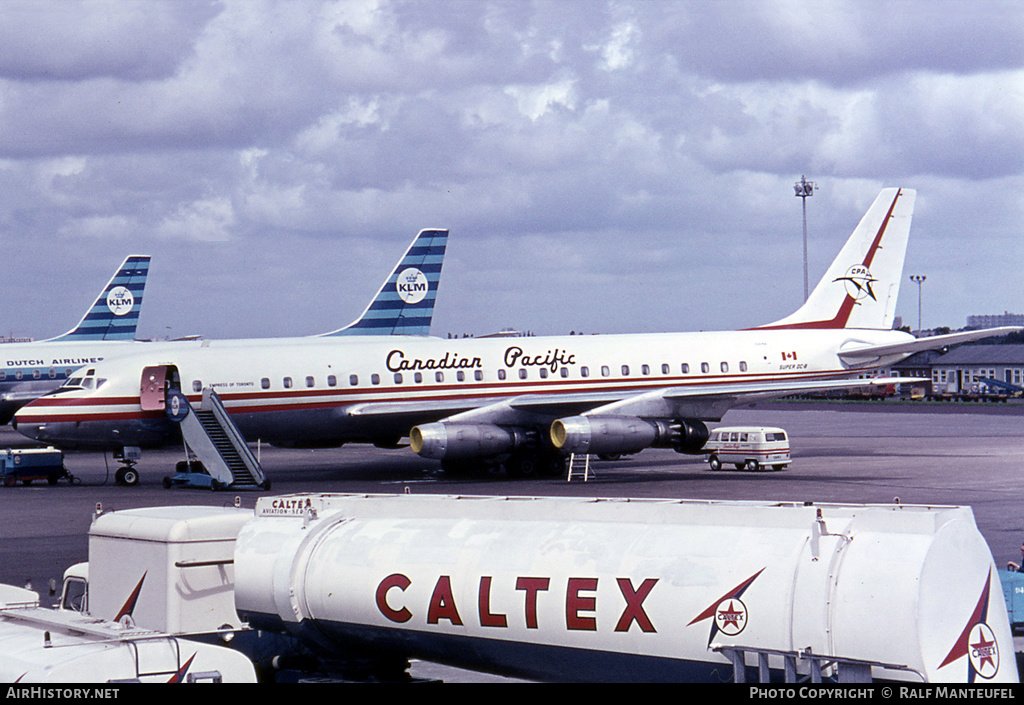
[789, 355]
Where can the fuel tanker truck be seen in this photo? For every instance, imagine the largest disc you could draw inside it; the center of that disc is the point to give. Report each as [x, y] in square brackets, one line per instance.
[570, 589]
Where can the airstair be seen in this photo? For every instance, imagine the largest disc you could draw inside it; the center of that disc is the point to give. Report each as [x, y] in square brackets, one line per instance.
[216, 443]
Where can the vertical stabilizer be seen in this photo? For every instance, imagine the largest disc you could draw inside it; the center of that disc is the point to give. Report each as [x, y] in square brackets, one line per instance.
[405, 303]
[115, 314]
[860, 288]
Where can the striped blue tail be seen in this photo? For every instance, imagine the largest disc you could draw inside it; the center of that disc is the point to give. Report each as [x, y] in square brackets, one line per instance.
[115, 315]
[405, 303]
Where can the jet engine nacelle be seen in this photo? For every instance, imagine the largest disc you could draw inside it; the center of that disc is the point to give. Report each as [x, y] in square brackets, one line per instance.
[453, 441]
[626, 434]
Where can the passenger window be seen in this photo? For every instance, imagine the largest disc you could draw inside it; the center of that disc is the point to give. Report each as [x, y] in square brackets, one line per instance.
[564, 371]
[645, 369]
[332, 381]
[625, 370]
[664, 369]
[705, 367]
[398, 378]
[197, 385]
[686, 368]
[460, 376]
[439, 376]
[743, 438]
[478, 375]
[584, 371]
[725, 367]
[543, 372]
[605, 371]
[417, 377]
[310, 382]
[353, 380]
[501, 374]
[743, 367]
[287, 382]
[375, 378]
[52, 373]
[522, 373]
[265, 383]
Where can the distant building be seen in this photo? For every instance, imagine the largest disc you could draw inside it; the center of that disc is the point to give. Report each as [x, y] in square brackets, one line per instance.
[963, 368]
[1002, 319]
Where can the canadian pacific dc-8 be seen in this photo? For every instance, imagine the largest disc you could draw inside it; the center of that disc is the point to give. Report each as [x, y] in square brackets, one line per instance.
[525, 402]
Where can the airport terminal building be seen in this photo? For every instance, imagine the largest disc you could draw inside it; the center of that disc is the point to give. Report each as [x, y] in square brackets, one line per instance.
[963, 369]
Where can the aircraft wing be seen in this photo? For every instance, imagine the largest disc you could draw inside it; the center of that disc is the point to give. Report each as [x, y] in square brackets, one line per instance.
[708, 401]
[864, 352]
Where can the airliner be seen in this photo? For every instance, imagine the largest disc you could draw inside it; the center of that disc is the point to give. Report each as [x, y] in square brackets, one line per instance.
[527, 403]
[30, 370]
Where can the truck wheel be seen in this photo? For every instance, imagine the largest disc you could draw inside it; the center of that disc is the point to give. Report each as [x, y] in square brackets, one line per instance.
[752, 465]
[715, 463]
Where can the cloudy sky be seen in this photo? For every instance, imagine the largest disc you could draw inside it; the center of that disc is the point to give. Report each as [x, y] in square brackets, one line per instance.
[602, 166]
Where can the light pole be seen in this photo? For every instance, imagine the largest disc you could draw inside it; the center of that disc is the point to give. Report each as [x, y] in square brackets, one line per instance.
[919, 280]
[804, 188]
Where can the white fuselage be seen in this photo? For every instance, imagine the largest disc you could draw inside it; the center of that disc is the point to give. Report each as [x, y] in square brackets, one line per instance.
[323, 390]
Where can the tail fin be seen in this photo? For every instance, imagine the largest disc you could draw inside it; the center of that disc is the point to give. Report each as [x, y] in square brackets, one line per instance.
[860, 289]
[115, 315]
[405, 303]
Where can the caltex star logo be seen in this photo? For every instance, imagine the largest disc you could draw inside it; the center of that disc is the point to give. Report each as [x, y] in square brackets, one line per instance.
[984, 653]
[977, 642]
[731, 616]
[729, 612]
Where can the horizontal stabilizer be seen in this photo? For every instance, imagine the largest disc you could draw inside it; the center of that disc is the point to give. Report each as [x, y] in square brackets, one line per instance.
[935, 342]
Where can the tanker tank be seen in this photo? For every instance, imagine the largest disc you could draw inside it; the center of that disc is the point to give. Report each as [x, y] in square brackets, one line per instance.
[571, 589]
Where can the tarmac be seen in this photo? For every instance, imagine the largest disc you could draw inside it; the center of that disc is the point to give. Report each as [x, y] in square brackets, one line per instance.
[849, 452]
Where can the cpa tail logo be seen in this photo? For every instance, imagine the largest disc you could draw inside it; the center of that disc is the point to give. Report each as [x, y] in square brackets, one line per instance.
[858, 281]
[412, 285]
[120, 301]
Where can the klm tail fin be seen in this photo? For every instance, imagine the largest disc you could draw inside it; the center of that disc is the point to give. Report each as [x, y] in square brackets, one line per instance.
[405, 303]
[860, 289]
[115, 315]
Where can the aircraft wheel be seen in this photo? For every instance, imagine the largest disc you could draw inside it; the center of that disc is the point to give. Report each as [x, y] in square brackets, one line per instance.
[553, 466]
[127, 476]
[715, 463]
[521, 465]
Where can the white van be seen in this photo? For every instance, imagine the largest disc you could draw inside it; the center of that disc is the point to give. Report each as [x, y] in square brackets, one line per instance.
[750, 447]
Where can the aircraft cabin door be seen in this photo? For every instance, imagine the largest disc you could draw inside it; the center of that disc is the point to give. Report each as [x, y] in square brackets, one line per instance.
[156, 380]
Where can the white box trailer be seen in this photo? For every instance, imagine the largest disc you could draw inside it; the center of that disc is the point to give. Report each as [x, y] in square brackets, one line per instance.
[631, 590]
[172, 567]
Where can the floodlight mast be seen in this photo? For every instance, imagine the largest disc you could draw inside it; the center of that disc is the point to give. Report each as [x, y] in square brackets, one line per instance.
[919, 280]
[804, 188]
